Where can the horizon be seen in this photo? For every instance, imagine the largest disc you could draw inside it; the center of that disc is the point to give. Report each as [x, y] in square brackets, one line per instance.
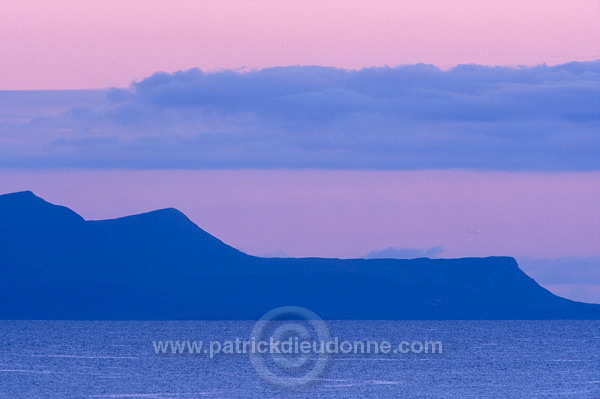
[558, 274]
[216, 187]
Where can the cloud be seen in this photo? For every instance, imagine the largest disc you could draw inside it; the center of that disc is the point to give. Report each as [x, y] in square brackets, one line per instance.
[577, 292]
[405, 253]
[568, 270]
[408, 117]
[276, 254]
[576, 278]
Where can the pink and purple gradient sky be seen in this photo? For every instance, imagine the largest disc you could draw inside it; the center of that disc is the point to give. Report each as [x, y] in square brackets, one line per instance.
[94, 44]
[97, 44]
[348, 213]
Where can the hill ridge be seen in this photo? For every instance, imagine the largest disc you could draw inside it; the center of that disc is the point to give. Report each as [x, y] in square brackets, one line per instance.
[160, 265]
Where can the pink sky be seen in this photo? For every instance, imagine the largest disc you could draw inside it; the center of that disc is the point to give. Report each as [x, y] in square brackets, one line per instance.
[91, 44]
[348, 213]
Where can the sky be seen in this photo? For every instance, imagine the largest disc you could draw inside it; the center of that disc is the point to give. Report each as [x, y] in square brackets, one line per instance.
[319, 128]
[103, 43]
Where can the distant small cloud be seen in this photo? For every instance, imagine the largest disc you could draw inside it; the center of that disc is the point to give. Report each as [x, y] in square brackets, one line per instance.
[567, 270]
[405, 253]
[576, 278]
[576, 292]
[276, 254]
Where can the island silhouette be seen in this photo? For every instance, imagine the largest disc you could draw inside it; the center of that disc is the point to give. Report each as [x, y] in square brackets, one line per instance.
[161, 266]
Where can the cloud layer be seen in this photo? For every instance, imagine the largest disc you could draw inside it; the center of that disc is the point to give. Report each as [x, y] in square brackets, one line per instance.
[576, 278]
[409, 117]
[405, 253]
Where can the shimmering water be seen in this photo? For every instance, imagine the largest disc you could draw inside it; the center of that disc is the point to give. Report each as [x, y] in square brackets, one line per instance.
[480, 359]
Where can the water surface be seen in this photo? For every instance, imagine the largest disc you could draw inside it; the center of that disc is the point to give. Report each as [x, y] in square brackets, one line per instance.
[480, 359]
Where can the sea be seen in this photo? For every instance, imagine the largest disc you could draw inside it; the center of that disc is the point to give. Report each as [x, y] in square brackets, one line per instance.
[200, 359]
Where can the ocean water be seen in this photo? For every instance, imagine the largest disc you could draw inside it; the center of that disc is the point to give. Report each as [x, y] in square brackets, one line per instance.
[479, 359]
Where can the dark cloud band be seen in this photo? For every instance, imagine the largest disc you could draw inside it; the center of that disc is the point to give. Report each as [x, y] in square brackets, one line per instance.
[410, 117]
